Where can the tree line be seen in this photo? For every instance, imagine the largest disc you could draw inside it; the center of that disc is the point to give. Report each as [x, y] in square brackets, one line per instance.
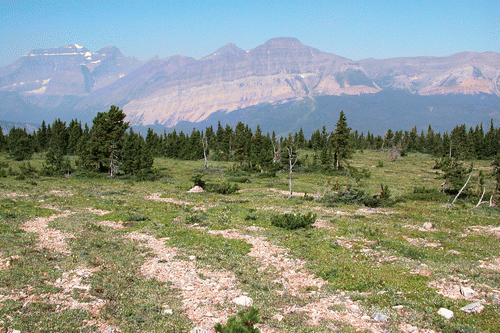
[110, 146]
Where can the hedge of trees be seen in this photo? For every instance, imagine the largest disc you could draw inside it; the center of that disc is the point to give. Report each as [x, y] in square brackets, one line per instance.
[109, 146]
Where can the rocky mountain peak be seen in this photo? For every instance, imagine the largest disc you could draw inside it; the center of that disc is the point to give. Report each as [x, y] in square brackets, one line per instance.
[229, 49]
[283, 42]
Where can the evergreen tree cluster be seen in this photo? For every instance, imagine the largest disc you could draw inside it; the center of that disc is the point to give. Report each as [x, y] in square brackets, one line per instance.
[110, 147]
[460, 143]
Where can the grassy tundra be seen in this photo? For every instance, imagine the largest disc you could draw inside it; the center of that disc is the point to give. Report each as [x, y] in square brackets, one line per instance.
[97, 254]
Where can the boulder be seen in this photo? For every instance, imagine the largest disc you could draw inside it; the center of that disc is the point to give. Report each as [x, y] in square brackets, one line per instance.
[447, 314]
[243, 301]
[196, 189]
[476, 307]
[467, 292]
[380, 317]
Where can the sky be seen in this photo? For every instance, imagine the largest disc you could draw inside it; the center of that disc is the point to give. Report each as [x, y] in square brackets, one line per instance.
[357, 29]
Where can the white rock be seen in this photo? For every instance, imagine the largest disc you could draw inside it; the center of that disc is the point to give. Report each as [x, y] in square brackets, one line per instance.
[196, 189]
[379, 317]
[168, 311]
[192, 257]
[398, 307]
[278, 317]
[243, 301]
[428, 225]
[448, 314]
[366, 317]
[473, 307]
[467, 292]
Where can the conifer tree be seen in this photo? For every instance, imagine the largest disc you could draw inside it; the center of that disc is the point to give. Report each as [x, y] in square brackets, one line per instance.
[19, 144]
[42, 137]
[58, 140]
[342, 147]
[74, 132]
[106, 136]
[3, 140]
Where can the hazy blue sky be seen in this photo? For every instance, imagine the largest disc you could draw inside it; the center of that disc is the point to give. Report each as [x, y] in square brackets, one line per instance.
[353, 29]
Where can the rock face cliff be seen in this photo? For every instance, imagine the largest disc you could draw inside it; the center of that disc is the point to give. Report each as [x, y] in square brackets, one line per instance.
[282, 69]
[73, 81]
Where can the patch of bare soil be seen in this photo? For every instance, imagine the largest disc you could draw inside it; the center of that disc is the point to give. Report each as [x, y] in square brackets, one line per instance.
[156, 197]
[296, 280]
[495, 265]
[70, 282]
[58, 193]
[49, 238]
[353, 315]
[99, 212]
[362, 211]
[486, 229]
[292, 275]
[112, 224]
[11, 195]
[202, 290]
[5, 262]
[416, 227]
[324, 224]
[294, 194]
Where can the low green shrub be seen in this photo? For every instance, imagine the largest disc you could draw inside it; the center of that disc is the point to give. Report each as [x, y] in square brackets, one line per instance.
[351, 197]
[245, 324]
[222, 188]
[290, 221]
[198, 180]
[270, 174]
[239, 179]
[425, 194]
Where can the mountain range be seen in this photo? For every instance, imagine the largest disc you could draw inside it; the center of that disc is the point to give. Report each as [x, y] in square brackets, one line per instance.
[279, 84]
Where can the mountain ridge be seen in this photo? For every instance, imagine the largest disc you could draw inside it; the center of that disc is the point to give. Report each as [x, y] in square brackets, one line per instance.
[71, 80]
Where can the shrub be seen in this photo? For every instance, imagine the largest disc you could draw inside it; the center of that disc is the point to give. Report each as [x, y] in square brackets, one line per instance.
[244, 325]
[270, 174]
[27, 171]
[239, 179]
[355, 197]
[222, 188]
[425, 194]
[198, 180]
[292, 221]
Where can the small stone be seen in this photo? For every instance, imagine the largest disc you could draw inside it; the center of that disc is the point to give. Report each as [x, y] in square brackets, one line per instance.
[467, 292]
[453, 252]
[278, 317]
[428, 225]
[188, 288]
[209, 314]
[168, 311]
[366, 317]
[398, 307]
[243, 301]
[425, 272]
[16, 331]
[199, 330]
[448, 314]
[192, 257]
[94, 312]
[380, 317]
[476, 307]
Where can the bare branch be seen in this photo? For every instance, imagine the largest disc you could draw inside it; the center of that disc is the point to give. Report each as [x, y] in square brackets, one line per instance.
[481, 200]
[460, 192]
